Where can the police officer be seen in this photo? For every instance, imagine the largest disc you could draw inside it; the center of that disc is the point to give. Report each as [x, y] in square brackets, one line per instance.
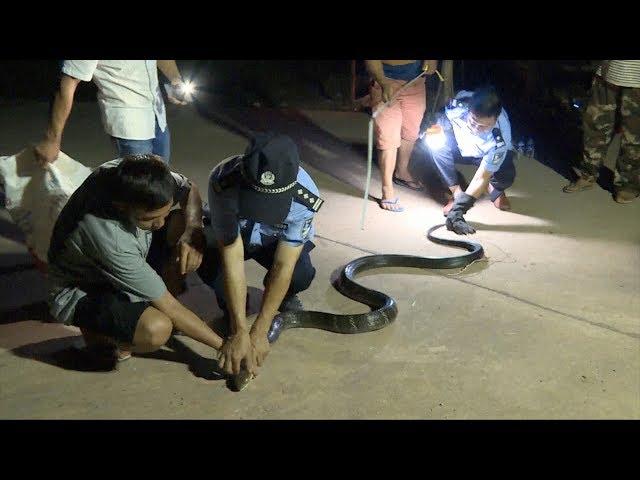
[473, 130]
[262, 206]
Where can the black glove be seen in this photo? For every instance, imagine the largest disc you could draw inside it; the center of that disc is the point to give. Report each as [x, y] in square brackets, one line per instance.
[455, 219]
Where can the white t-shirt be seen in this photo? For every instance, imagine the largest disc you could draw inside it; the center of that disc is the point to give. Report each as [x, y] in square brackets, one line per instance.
[128, 94]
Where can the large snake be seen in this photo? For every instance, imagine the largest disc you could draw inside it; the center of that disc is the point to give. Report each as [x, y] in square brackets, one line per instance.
[384, 308]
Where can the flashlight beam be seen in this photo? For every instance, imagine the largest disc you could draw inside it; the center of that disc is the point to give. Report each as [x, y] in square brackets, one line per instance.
[188, 88]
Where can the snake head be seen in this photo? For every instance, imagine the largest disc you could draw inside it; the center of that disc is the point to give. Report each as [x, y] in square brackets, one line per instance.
[276, 328]
[241, 380]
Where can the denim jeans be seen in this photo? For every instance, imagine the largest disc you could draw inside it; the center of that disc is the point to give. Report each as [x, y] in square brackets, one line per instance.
[160, 145]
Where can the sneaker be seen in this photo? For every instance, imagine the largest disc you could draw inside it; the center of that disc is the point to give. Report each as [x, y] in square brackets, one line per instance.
[625, 196]
[579, 185]
[291, 304]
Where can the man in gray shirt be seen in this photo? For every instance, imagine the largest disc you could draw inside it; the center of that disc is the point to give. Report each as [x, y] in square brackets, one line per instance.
[100, 278]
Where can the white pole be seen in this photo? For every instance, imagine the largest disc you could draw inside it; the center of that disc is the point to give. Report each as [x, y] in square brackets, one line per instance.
[369, 161]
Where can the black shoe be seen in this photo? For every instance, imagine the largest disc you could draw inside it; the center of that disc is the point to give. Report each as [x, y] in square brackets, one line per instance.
[291, 304]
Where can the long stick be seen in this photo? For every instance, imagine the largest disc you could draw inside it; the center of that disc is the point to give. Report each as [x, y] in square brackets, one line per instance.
[368, 183]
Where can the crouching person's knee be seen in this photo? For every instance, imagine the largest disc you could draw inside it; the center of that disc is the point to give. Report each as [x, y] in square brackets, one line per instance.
[302, 278]
[153, 330]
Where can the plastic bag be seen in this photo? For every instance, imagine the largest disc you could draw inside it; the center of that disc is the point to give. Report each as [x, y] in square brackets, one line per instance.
[35, 196]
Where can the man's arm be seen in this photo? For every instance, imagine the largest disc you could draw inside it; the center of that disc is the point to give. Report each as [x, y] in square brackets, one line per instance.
[465, 200]
[374, 67]
[128, 272]
[479, 182]
[235, 283]
[276, 287]
[192, 207]
[169, 69]
[238, 346]
[191, 243]
[186, 321]
[47, 150]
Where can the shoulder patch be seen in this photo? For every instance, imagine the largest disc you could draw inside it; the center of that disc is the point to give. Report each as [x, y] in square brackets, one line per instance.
[307, 198]
[498, 157]
[306, 228]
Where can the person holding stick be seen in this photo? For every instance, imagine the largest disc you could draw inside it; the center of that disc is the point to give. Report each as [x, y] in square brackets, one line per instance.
[398, 126]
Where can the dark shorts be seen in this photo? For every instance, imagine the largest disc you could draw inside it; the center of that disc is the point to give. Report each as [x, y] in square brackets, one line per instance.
[109, 313]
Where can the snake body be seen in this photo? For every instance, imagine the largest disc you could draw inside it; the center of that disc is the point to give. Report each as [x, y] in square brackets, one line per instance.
[384, 308]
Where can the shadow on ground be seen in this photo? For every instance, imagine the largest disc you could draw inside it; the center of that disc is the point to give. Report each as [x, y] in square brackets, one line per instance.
[344, 161]
[68, 353]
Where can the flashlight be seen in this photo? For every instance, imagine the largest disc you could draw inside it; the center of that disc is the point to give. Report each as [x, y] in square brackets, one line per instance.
[187, 88]
[183, 91]
[434, 137]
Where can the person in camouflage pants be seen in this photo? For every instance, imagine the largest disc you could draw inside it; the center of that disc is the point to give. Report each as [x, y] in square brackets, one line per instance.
[598, 127]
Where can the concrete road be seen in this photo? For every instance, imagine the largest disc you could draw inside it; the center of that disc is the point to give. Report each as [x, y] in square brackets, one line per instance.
[547, 326]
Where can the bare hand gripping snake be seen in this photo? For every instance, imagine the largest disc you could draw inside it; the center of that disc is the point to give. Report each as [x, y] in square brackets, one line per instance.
[384, 309]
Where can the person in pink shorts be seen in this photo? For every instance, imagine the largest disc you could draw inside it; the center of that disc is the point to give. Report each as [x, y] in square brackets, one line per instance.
[398, 126]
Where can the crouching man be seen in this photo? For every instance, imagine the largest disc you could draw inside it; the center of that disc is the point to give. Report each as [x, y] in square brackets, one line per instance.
[100, 276]
[262, 207]
[474, 130]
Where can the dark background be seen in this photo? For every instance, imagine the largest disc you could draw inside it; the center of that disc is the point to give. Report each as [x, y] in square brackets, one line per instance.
[544, 98]
[273, 82]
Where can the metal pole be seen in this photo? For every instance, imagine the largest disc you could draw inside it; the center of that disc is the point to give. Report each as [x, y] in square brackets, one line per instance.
[368, 183]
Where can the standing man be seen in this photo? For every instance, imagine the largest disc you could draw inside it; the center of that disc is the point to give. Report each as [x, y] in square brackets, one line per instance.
[616, 86]
[131, 104]
[397, 127]
[473, 130]
[262, 207]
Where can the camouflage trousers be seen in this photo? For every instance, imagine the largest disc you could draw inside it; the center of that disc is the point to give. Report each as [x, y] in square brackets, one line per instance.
[598, 125]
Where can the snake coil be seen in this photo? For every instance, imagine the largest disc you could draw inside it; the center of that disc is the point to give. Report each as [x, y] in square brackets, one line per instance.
[384, 309]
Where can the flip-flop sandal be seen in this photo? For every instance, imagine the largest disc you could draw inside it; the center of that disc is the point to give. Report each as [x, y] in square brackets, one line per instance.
[405, 183]
[394, 202]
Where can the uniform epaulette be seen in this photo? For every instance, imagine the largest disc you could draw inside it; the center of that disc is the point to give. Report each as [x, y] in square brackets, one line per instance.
[307, 198]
